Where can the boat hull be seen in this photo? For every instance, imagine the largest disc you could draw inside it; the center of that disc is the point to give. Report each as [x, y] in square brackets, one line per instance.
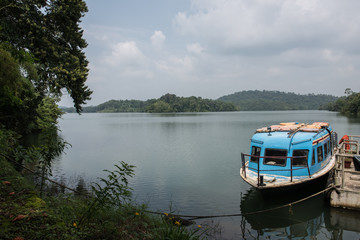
[304, 188]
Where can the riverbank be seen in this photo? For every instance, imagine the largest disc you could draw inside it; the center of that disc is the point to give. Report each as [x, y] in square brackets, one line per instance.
[24, 215]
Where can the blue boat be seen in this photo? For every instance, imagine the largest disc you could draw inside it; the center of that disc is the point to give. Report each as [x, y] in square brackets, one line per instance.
[289, 156]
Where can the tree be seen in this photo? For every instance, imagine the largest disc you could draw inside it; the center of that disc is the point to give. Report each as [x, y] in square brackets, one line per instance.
[41, 54]
[348, 105]
[159, 107]
[169, 98]
[48, 114]
[352, 105]
[348, 91]
[50, 32]
[18, 98]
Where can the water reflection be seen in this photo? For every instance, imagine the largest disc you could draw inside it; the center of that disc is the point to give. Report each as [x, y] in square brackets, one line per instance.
[342, 222]
[353, 120]
[311, 219]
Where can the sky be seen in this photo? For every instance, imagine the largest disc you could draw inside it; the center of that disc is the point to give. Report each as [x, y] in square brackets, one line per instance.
[143, 49]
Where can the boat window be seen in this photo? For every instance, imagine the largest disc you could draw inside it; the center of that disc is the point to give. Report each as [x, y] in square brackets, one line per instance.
[326, 149]
[320, 153]
[300, 157]
[255, 151]
[275, 157]
[313, 157]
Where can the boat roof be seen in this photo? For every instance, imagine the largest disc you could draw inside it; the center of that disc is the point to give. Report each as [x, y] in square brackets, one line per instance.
[284, 134]
[295, 126]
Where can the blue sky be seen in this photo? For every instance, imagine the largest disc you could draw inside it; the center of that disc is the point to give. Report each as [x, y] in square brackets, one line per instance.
[142, 49]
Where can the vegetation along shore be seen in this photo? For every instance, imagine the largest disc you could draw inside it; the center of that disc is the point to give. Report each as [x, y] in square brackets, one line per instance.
[105, 213]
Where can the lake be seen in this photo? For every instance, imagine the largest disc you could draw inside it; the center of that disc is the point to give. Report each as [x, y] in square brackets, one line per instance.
[189, 163]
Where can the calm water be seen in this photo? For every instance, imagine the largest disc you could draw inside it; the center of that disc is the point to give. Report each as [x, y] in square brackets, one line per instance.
[190, 163]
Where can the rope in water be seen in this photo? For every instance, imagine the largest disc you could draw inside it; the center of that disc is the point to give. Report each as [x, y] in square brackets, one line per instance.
[193, 217]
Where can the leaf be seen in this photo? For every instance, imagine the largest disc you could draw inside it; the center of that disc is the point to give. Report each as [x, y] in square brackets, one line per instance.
[19, 217]
[18, 238]
[6, 183]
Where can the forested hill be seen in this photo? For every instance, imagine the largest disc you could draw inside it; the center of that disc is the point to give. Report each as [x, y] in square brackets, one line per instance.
[244, 101]
[256, 100]
[165, 104]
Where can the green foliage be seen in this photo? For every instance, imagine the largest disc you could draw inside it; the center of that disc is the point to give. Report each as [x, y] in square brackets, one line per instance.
[275, 100]
[48, 114]
[337, 105]
[18, 98]
[168, 232]
[8, 140]
[115, 190]
[244, 101]
[11, 149]
[348, 105]
[172, 103]
[120, 106]
[110, 192]
[22, 111]
[160, 107]
[165, 104]
[23, 214]
[40, 54]
[49, 31]
[51, 147]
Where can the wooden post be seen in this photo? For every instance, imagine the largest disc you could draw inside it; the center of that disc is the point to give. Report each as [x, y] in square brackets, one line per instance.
[243, 164]
[342, 171]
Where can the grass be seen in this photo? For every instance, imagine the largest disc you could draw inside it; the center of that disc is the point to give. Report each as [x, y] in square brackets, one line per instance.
[24, 215]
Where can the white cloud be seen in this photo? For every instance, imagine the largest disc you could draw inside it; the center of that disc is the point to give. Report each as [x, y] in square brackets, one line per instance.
[194, 48]
[275, 71]
[158, 39]
[176, 65]
[301, 58]
[124, 53]
[270, 26]
[329, 55]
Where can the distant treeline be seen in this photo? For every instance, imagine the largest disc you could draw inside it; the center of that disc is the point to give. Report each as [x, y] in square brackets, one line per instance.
[241, 101]
[255, 100]
[347, 105]
[165, 104]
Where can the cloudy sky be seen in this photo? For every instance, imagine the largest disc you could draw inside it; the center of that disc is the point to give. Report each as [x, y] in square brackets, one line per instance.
[141, 49]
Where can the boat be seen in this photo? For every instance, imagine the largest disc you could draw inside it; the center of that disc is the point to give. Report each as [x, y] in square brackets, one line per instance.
[289, 156]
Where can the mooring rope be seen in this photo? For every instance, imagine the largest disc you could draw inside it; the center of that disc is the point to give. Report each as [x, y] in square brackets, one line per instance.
[190, 217]
[194, 217]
